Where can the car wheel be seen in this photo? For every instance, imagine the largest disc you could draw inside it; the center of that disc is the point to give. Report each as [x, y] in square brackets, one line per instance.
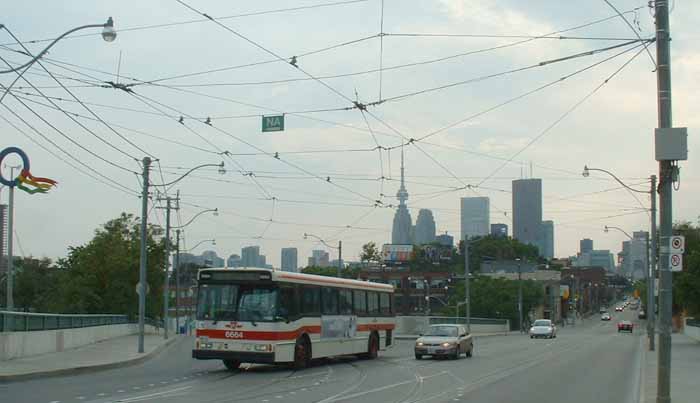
[419, 356]
[532, 337]
[470, 352]
[232, 365]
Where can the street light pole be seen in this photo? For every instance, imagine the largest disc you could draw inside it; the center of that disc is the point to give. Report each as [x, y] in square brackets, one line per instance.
[144, 256]
[176, 273]
[467, 290]
[167, 261]
[10, 228]
[340, 257]
[663, 74]
[520, 297]
[651, 301]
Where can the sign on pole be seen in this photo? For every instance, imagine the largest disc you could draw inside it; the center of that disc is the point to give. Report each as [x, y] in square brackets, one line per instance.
[676, 261]
[274, 123]
[677, 244]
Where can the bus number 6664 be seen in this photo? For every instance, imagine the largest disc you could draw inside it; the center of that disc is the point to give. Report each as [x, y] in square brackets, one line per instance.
[233, 335]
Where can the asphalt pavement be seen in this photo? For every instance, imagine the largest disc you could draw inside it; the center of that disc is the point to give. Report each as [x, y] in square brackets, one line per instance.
[587, 363]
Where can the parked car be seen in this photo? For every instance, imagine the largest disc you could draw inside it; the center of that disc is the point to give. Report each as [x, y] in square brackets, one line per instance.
[618, 309]
[605, 316]
[444, 340]
[543, 328]
[642, 314]
[624, 326]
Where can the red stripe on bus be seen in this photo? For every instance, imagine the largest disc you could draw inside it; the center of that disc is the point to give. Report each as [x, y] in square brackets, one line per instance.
[278, 336]
[368, 284]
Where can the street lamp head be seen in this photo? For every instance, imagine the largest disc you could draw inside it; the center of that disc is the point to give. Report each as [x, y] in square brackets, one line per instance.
[216, 212]
[213, 242]
[586, 172]
[109, 34]
[606, 229]
[306, 236]
[221, 168]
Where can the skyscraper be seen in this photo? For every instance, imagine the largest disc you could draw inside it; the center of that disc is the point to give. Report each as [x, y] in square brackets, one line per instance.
[547, 247]
[499, 230]
[233, 261]
[585, 245]
[319, 258]
[527, 211]
[401, 229]
[475, 216]
[289, 259]
[425, 227]
[250, 256]
[445, 239]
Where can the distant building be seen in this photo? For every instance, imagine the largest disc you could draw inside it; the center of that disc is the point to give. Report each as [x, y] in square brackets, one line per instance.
[585, 245]
[596, 258]
[211, 259]
[527, 211]
[402, 225]
[499, 230]
[234, 261]
[547, 247]
[474, 216]
[334, 263]
[250, 256]
[262, 261]
[425, 227]
[506, 266]
[289, 259]
[634, 256]
[319, 258]
[445, 239]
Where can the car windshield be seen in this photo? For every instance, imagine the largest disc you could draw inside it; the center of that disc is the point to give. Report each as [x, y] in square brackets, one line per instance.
[443, 331]
[236, 302]
[542, 323]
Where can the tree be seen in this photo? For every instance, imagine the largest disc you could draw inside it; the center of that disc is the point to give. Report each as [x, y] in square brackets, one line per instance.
[370, 253]
[101, 276]
[497, 298]
[35, 285]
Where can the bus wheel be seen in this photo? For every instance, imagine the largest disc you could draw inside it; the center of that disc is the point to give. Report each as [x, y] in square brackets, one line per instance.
[372, 347]
[302, 353]
[232, 365]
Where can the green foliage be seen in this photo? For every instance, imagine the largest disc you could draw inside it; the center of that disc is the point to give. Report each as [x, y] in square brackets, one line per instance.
[331, 271]
[370, 253]
[641, 287]
[686, 284]
[497, 248]
[101, 276]
[35, 284]
[497, 298]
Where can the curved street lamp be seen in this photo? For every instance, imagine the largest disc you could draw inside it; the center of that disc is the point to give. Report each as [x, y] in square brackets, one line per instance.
[339, 248]
[213, 242]
[109, 34]
[651, 249]
[214, 210]
[607, 228]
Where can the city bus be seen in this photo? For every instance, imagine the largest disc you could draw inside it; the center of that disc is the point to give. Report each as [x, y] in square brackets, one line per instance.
[262, 316]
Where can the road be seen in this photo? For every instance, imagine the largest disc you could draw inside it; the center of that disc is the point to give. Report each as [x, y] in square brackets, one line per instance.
[586, 363]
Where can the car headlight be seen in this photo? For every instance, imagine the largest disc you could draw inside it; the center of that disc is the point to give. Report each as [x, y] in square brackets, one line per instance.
[420, 343]
[447, 344]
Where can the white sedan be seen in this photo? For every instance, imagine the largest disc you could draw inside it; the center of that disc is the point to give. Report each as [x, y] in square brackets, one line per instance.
[543, 328]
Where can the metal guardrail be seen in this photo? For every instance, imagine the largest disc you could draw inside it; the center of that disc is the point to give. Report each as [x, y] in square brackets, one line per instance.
[693, 322]
[25, 321]
[434, 320]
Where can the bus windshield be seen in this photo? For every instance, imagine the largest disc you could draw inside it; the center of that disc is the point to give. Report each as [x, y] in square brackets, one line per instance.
[236, 302]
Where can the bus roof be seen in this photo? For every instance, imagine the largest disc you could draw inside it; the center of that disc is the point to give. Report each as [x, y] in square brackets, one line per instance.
[302, 278]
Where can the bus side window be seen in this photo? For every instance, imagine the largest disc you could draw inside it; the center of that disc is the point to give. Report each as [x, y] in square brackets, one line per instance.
[373, 303]
[345, 302]
[384, 304]
[329, 301]
[360, 303]
[288, 302]
[310, 301]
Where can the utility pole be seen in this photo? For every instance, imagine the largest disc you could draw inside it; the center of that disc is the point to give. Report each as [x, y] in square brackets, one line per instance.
[467, 291]
[10, 258]
[520, 297]
[651, 303]
[665, 121]
[340, 257]
[166, 282]
[176, 273]
[144, 257]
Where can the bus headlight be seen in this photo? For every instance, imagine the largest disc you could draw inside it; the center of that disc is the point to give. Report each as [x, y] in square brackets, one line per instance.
[263, 347]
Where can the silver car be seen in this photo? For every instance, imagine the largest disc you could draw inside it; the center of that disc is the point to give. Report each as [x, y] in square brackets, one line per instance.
[444, 340]
[543, 328]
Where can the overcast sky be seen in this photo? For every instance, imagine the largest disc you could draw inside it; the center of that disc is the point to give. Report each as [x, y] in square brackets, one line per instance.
[332, 194]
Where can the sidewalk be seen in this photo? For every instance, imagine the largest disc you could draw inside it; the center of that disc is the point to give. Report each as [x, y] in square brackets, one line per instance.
[112, 353]
[685, 367]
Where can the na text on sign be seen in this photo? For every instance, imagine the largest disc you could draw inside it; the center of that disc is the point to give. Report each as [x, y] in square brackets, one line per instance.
[274, 123]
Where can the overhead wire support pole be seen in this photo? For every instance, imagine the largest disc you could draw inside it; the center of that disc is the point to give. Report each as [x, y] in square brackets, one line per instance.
[665, 189]
[166, 280]
[141, 286]
[651, 303]
[467, 290]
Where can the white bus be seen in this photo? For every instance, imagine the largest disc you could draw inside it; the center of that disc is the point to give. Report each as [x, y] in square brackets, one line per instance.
[266, 316]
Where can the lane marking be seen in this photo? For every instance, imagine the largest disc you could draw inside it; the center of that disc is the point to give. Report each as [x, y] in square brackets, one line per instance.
[101, 394]
[144, 397]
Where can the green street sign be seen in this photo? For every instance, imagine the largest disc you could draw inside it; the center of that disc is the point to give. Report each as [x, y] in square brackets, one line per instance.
[273, 123]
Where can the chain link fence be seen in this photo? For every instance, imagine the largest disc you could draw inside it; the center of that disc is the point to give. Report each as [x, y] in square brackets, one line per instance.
[25, 321]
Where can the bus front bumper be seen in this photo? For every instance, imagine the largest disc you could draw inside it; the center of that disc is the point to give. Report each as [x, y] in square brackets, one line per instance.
[241, 356]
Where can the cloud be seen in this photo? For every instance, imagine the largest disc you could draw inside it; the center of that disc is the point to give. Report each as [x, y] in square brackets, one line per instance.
[504, 146]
